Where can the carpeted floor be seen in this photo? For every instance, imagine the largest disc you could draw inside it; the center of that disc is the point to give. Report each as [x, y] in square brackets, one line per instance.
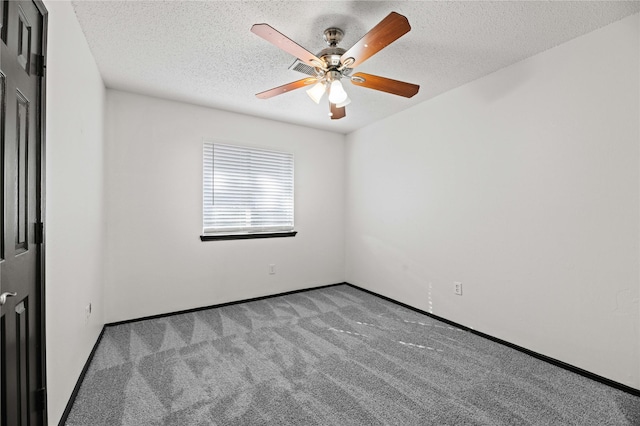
[331, 356]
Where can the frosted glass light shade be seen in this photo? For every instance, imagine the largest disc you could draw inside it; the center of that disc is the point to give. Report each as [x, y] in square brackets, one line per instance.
[344, 103]
[337, 95]
[316, 92]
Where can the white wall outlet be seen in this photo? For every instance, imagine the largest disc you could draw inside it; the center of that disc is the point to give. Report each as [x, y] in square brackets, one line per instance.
[457, 288]
[272, 269]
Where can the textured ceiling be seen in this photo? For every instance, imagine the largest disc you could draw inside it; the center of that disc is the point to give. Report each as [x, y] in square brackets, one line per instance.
[204, 52]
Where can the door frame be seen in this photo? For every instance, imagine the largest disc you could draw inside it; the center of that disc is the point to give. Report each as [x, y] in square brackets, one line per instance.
[41, 207]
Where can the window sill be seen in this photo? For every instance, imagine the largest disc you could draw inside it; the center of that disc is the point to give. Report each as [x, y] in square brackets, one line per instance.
[217, 237]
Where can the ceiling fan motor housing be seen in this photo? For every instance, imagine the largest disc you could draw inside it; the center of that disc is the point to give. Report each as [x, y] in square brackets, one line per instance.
[331, 56]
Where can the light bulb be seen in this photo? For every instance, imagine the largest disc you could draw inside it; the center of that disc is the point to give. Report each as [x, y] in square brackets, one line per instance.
[337, 94]
[316, 92]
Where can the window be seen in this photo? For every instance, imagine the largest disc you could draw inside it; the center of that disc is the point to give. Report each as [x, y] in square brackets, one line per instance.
[247, 192]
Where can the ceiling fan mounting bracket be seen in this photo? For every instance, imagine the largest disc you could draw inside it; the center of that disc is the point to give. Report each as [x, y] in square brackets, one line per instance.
[333, 36]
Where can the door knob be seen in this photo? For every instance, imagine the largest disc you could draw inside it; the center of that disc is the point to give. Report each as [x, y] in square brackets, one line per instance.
[3, 297]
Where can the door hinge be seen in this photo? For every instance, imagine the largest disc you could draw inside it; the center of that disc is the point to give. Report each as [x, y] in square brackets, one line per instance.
[39, 233]
[41, 399]
[39, 65]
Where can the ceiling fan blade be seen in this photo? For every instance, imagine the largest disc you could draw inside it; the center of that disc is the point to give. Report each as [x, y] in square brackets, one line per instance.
[337, 113]
[386, 32]
[278, 39]
[383, 84]
[286, 88]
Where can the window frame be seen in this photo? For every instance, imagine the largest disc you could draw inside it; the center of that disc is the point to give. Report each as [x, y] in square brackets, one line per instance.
[234, 234]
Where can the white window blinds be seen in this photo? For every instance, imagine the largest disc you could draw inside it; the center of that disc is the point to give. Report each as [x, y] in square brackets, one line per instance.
[246, 190]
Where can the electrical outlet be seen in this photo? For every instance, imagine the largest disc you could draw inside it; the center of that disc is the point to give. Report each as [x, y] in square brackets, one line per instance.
[272, 269]
[457, 288]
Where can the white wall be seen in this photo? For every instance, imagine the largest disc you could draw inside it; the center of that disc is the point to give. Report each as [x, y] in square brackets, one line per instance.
[524, 186]
[74, 204]
[156, 261]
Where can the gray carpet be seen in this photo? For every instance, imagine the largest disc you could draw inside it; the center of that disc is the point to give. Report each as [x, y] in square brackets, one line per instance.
[331, 356]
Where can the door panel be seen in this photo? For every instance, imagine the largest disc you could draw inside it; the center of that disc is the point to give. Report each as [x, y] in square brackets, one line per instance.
[22, 172]
[3, 373]
[21, 362]
[24, 40]
[2, 122]
[4, 15]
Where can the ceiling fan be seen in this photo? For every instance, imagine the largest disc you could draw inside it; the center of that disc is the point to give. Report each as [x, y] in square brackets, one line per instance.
[333, 63]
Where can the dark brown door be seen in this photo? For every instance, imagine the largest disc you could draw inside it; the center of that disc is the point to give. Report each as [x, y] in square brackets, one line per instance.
[21, 330]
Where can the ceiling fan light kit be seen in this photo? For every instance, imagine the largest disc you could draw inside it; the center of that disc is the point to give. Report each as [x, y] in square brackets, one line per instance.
[334, 63]
[337, 94]
[317, 91]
